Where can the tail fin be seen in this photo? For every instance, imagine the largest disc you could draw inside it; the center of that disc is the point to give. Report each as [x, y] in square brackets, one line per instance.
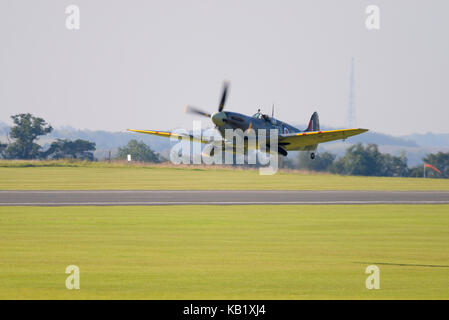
[314, 123]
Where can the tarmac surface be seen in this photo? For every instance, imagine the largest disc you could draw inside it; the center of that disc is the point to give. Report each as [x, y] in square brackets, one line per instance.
[216, 197]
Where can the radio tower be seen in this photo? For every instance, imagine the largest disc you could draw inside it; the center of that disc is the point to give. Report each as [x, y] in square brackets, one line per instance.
[351, 107]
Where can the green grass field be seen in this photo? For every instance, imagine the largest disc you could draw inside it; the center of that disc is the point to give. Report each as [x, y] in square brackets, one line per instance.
[101, 176]
[225, 252]
[218, 252]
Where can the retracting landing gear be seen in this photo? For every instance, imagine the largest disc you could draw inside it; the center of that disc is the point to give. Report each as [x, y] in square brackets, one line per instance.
[312, 155]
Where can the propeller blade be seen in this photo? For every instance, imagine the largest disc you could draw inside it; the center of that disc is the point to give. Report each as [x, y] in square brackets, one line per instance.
[223, 96]
[190, 109]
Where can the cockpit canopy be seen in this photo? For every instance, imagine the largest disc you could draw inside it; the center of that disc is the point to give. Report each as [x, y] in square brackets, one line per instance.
[265, 117]
[258, 115]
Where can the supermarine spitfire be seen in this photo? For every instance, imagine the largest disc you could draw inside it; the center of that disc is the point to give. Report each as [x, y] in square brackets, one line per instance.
[289, 137]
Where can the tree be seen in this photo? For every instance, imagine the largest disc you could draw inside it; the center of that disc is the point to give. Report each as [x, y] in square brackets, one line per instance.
[368, 161]
[322, 161]
[78, 149]
[360, 161]
[2, 150]
[416, 172]
[139, 151]
[393, 166]
[26, 130]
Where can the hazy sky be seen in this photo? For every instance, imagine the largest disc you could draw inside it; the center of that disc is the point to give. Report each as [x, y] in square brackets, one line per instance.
[136, 64]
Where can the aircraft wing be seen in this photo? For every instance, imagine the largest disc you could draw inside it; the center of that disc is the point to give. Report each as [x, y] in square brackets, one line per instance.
[299, 140]
[168, 134]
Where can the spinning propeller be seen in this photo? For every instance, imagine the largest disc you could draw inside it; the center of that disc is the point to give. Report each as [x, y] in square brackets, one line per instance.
[194, 110]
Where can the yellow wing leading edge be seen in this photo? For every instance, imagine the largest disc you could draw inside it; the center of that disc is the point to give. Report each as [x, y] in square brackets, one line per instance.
[291, 141]
[168, 134]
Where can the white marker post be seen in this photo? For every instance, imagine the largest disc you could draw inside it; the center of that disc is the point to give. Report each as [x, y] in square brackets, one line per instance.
[129, 158]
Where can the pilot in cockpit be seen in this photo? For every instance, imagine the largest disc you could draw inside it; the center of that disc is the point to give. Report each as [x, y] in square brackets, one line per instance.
[259, 115]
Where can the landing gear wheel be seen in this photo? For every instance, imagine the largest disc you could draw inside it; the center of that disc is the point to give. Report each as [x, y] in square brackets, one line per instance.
[312, 155]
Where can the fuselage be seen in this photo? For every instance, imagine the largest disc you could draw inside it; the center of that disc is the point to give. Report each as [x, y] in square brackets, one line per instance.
[233, 120]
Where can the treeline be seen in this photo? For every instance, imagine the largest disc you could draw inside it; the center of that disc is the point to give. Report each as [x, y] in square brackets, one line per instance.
[27, 129]
[361, 160]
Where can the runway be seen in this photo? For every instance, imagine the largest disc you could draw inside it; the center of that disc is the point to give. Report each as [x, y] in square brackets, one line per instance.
[216, 197]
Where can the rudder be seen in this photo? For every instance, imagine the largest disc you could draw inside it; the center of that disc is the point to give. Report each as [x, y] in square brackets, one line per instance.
[314, 123]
